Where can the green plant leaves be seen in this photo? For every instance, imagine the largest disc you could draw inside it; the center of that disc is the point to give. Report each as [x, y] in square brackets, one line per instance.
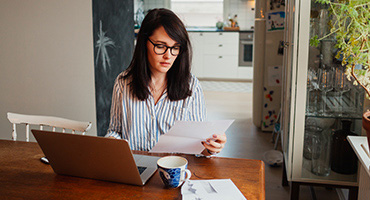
[323, 1]
[314, 41]
[350, 24]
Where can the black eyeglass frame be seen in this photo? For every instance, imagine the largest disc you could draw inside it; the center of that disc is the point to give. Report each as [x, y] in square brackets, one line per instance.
[167, 47]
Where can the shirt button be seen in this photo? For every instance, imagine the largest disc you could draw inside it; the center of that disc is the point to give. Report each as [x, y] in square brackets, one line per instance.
[153, 139]
[153, 117]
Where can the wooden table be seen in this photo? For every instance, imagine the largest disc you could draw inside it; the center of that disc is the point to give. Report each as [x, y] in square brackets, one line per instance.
[23, 176]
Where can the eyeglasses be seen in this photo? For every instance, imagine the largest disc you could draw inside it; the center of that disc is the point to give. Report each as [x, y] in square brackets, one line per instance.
[161, 49]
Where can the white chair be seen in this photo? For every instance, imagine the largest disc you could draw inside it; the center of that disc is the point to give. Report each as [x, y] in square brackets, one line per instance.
[54, 122]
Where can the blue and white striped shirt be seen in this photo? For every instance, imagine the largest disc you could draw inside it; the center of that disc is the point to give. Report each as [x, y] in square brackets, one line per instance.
[142, 122]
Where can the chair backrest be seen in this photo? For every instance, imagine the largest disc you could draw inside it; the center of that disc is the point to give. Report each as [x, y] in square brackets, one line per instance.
[54, 122]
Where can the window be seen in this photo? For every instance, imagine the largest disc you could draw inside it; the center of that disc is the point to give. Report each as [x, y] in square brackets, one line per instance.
[198, 12]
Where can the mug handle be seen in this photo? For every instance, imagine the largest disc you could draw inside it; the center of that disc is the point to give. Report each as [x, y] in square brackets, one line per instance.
[188, 175]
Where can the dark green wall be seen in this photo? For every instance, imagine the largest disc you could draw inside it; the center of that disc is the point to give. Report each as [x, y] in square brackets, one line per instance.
[113, 20]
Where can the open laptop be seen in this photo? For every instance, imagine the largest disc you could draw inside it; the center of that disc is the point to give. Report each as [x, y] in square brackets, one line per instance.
[95, 157]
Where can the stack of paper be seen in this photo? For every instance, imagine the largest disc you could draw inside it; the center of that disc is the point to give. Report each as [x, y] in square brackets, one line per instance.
[217, 189]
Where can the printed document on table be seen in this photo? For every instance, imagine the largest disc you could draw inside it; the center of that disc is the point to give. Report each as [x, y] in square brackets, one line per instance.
[215, 189]
[186, 136]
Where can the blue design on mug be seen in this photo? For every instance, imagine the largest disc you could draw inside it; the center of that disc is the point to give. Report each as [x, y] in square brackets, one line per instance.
[173, 170]
[170, 177]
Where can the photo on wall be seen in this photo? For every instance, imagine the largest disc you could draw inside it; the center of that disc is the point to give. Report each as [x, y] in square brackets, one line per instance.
[113, 32]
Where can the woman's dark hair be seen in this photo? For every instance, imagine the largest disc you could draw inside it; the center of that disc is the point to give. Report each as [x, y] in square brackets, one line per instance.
[178, 76]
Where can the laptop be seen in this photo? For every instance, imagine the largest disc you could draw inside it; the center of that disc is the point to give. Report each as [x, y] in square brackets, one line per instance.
[94, 157]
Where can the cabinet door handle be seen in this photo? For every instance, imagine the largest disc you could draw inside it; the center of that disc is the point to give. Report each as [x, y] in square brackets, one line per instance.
[220, 45]
[219, 33]
[220, 57]
[201, 34]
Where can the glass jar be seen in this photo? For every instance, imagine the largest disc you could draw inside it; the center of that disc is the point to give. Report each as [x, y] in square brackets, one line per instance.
[310, 131]
[320, 163]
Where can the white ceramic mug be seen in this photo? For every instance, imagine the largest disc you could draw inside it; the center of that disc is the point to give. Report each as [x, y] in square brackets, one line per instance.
[172, 170]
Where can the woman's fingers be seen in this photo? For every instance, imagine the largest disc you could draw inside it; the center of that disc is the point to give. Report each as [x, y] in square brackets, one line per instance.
[216, 143]
[220, 138]
[211, 148]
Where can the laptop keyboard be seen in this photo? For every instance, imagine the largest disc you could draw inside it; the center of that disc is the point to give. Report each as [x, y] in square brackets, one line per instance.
[141, 169]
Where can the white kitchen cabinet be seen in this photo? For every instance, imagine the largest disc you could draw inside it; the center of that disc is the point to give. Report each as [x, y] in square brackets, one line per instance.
[197, 43]
[220, 48]
[245, 73]
[221, 37]
[222, 67]
[300, 70]
[215, 54]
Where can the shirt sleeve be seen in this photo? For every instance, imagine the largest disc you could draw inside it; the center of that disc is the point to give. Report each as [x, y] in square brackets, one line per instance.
[197, 108]
[115, 125]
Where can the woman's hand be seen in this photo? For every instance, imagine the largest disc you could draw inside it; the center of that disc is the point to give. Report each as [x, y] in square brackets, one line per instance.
[215, 144]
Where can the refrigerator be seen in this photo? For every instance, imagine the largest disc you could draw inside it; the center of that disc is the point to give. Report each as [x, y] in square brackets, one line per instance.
[268, 62]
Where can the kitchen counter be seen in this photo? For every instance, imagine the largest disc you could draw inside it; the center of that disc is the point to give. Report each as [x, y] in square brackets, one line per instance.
[214, 29]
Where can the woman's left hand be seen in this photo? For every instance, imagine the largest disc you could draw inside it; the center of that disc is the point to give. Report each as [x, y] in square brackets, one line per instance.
[216, 143]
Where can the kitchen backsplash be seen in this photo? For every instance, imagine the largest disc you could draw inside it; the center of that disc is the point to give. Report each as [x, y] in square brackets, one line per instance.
[244, 11]
[148, 4]
[243, 8]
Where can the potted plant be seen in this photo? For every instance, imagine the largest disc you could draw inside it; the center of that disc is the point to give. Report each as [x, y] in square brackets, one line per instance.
[350, 25]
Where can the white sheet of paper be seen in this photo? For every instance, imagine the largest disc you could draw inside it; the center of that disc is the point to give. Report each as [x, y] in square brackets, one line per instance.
[217, 189]
[186, 136]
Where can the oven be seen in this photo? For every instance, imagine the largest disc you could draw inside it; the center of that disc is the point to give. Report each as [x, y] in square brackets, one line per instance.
[245, 49]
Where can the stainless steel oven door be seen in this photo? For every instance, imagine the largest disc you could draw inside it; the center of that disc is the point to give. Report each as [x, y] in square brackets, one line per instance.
[245, 53]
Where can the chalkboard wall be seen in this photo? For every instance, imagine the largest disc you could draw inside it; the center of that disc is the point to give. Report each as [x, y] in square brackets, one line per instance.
[113, 29]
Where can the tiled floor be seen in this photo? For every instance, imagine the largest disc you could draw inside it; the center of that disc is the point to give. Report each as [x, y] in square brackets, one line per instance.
[224, 86]
[245, 140]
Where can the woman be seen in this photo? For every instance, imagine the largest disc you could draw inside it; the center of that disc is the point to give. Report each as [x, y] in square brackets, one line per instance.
[157, 88]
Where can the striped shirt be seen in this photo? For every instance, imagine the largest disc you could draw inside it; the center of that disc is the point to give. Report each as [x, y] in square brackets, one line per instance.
[142, 122]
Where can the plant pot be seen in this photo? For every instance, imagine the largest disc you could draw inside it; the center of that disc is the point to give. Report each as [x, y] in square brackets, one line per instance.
[366, 125]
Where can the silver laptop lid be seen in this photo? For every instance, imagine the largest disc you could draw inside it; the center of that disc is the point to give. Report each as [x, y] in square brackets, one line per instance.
[90, 157]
